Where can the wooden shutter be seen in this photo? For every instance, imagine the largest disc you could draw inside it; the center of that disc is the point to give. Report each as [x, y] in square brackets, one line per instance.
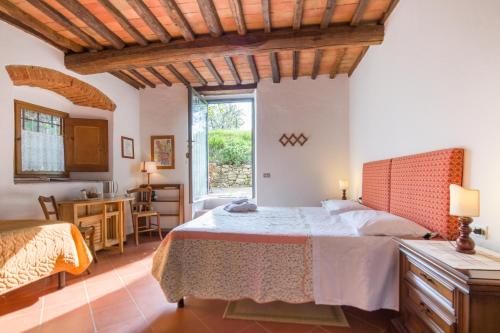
[86, 144]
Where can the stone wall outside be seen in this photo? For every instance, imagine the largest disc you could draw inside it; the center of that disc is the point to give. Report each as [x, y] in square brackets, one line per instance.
[224, 176]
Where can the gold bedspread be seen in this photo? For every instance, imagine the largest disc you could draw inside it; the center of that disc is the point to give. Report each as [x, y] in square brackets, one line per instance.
[33, 249]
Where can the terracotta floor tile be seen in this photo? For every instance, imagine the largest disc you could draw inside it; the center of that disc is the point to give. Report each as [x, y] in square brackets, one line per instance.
[115, 313]
[63, 318]
[181, 321]
[254, 328]
[286, 328]
[25, 323]
[356, 325]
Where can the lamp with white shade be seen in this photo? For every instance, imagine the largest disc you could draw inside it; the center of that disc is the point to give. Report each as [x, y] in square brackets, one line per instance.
[464, 204]
[149, 167]
[344, 185]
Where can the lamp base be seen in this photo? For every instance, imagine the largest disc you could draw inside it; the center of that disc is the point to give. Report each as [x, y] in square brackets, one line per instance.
[343, 195]
[465, 244]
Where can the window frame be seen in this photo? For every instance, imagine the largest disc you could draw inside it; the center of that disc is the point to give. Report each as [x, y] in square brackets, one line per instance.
[18, 107]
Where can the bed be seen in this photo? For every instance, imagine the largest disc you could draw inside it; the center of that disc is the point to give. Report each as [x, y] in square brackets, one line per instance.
[302, 254]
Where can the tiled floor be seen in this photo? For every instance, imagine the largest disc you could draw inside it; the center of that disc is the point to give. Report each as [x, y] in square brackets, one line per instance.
[121, 296]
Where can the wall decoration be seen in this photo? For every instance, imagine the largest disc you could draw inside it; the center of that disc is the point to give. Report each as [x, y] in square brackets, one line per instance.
[128, 147]
[293, 139]
[163, 151]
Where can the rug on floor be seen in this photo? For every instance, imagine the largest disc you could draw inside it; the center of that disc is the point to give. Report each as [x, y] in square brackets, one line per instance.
[308, 313]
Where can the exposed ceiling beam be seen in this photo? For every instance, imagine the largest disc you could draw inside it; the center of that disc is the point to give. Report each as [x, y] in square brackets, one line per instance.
[178, 18]
[17, 14]
[317, 61]
[124, 22]
[295, 64]
[156, 54]
[150, 19]
[196, 74]
[213, 70]
[297, 14]
[227, 88]
[159, 76]
[63, 21]
[141, 78]
[266, 13]
[253, 68]
[360, 11]
[389, 11]
[86, 16]
[275, 67]
[212, 20]
[358, 60]
[178, 75]
[336, 65]
[328, 13]
[232, 69]
[128, 79]
[239, 18]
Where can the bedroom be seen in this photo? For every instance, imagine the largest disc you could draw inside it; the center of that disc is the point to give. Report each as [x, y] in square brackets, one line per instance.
[431, 84]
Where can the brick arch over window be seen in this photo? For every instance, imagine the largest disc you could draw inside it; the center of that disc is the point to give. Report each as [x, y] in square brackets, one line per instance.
[78, 92]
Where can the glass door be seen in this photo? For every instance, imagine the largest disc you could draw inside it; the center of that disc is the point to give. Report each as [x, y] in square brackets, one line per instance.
[198, 146]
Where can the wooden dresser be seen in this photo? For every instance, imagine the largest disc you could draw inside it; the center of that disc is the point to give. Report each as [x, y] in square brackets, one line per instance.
[442, 290]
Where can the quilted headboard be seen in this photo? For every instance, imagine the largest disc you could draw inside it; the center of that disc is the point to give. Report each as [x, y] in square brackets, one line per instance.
[419, 188]
[376, 184]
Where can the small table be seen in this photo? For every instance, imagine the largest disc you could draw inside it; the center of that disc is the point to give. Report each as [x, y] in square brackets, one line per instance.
[106, 215]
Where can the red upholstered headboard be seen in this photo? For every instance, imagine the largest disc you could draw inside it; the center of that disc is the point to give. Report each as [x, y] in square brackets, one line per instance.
[420, 188]
[376, 184]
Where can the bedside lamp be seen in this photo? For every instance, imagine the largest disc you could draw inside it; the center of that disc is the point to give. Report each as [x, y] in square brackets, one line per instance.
[149, 167]
[343, 185]
[464, 203]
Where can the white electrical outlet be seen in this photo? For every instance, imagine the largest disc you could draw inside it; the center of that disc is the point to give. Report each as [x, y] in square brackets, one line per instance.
[479, 232]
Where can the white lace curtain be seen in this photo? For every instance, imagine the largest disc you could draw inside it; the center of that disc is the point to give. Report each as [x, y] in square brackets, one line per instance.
[42, 152]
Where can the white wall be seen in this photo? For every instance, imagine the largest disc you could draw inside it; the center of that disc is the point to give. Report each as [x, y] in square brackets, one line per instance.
[302, 175]
[20, 48]
[434, 83]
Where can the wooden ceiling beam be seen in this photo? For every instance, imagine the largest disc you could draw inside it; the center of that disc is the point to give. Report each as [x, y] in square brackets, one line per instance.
[336, 65]
[266, 13]
[150, 19]
[295, 64]
[232, 69]
[213, 71]
[238, 15]
[212, 20]
[141, 77]
[178, 75]
[227, 87]
[64, 22]
[206, 47]
[317, 61]
[124, 22]
[297, 14]
[159, 76]
[358, 60]
[328, 13]
[178, 18]
[82, 13]
[196, 74]
[275, 67]
[25, 19]
[389, 11]
[128, 79]
[360, 11]
[253, 68]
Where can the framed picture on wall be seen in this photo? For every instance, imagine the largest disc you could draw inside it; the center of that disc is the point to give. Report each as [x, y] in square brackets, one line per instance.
[127, 147]
[163, 151]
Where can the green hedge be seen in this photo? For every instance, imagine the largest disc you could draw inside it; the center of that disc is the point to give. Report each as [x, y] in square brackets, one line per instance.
[230, 147]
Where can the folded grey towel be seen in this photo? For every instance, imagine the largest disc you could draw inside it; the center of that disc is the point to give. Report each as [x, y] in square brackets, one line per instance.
[239, 201]
[241, 208]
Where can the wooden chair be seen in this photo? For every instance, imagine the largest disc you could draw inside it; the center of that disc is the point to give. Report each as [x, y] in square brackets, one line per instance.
[87, 232]
[142, 208]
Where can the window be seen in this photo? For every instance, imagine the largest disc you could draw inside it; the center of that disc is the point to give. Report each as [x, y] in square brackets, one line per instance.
[39, 141]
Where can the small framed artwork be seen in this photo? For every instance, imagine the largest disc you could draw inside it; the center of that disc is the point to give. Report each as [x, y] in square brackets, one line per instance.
[127, 147]
[163, 151]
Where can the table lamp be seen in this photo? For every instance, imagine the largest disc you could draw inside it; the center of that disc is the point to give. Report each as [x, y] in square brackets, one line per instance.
[464, 204]
[343, 185]
[149, 167]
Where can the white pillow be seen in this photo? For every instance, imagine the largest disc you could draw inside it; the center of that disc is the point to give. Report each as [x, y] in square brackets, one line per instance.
[335, 207]
[379, 223]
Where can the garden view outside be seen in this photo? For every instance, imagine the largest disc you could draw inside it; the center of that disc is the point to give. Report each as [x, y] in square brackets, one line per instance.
[230, 149]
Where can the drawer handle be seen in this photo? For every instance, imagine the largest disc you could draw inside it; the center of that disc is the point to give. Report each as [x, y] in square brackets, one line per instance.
[427, 277]
[425, 308]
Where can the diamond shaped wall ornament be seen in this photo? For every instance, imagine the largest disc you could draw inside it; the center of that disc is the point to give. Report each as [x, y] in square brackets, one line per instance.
[302, 139]
[283, 140]
[292, 139]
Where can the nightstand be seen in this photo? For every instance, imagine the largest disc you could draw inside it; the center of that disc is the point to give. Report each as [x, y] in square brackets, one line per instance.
[442, 290]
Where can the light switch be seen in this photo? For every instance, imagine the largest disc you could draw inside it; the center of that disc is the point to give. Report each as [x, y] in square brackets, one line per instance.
[266, 175]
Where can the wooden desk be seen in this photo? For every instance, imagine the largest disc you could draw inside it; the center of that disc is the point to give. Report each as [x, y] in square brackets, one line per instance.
[104, 214]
